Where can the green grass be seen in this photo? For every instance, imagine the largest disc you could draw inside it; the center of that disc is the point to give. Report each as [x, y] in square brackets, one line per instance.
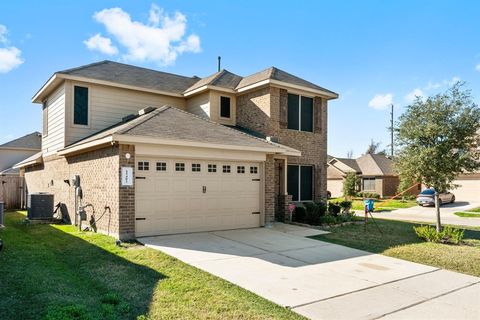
[467, 214]
[56, 272]
[381, 204]
[399, 240]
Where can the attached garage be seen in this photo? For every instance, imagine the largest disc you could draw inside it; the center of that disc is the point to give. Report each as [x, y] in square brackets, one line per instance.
[469, 188]
[189, 195]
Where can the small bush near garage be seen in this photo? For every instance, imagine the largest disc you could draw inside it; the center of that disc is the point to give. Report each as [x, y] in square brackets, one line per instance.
[447, 235]
[371, 195]
[334, 208]
[320, 213]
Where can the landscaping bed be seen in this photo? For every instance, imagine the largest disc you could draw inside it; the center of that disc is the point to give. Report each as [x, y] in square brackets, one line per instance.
[55, 272]
[399, 240]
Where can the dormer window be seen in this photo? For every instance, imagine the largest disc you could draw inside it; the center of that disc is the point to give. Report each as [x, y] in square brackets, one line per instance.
[300, 113]
[80, 106]
[225, 107]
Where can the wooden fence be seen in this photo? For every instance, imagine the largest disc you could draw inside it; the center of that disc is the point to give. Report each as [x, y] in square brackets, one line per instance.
[12, 191]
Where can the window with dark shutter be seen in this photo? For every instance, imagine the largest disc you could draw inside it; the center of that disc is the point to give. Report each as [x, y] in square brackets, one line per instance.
[225, 107]
[80, 106]
[306, 117]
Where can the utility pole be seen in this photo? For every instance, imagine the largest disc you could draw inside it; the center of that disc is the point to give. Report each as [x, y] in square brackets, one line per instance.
[391, 131]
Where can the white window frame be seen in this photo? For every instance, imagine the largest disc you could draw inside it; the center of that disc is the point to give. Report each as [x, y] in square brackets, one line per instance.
[300, 111]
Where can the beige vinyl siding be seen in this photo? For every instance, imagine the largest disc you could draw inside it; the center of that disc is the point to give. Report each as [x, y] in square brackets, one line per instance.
[108, 105]
[54, 140]
[200, 105]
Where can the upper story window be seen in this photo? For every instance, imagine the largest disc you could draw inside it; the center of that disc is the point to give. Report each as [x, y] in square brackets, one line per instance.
[225, 109]
[80, 105]
[300, 113]
[45, 118]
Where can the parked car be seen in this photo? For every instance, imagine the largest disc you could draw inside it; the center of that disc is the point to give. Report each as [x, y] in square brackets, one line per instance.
[427, 197]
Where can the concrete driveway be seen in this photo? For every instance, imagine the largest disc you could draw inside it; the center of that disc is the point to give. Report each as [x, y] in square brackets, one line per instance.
[428, 214]
[325, 281]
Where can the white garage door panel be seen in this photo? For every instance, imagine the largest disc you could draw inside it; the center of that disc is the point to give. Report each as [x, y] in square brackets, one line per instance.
[174, 202]
[468, 190]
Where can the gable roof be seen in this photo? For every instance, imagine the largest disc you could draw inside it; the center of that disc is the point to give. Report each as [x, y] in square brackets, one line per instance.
[375, 165]
[367, 165]
[132, 75]
[223, 78]
[351, 163]
[30, 141]
[169, 125]
[273, 73]
[137, 78]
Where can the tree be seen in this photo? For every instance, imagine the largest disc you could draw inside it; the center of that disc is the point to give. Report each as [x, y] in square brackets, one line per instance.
[350, 154]
[374, 148]
[350, 184]
[438, 139]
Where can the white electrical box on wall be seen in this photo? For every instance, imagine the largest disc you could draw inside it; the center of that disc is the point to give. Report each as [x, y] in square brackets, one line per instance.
[127, 177]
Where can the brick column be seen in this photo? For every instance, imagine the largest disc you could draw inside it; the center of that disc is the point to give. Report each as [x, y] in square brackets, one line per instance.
[283, 202]
[126, 213]
[269, 189]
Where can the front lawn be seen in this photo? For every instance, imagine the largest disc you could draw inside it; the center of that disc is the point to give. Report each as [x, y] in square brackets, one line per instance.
[399, 240]
[55, 272]
[380, 204]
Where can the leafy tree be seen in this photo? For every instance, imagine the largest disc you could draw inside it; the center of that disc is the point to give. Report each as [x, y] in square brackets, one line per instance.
[350, 184]
[374, 148]
[350, 154]
[438, 139]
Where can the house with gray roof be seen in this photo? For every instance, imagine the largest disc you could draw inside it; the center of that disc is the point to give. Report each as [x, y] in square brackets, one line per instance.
[17, 150]
[157, 153]
[376, 172]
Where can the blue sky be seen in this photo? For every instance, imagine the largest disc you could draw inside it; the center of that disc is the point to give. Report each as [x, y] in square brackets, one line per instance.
[370, 52]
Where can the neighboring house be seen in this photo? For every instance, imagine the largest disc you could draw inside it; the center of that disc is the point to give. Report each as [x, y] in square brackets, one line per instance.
[159, 153]
[375, 171]
[12, 192]
[17, 150]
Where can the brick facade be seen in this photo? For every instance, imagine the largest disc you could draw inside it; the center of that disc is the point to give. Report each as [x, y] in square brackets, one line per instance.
[99, 172]
[270, 196]
[265, 111]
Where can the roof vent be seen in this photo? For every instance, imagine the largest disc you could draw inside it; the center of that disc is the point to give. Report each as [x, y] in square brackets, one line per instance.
[146, 110]
[272, 139]
[129, 117]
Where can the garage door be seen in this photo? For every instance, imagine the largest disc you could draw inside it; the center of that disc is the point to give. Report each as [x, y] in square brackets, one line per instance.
[468, 190]
[179, 196]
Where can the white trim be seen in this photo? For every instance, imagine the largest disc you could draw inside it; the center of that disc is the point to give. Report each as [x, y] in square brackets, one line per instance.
[205, 88]
[86, 145]
[43, 88]
[288, 86]
[122, 138]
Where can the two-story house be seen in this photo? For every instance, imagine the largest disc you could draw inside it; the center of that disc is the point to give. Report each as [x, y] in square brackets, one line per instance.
[159, 153]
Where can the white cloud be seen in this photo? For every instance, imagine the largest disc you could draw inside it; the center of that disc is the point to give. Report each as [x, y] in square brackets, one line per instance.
[414, 94]
[102, 44]
[10, 57]
[381, 101]
[159, 41]
[477, 67]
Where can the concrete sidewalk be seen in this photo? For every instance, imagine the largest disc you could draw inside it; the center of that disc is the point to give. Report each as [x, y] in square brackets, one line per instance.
[321, 280]
[428, 214]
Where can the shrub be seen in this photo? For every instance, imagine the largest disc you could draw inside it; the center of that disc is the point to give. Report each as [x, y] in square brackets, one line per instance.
[447, 235]
[312, 213]
[328, 219]
[299, 214]
[345, 205]
[322, 208]
[366, 194]
[350, 184]
[333, 208]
